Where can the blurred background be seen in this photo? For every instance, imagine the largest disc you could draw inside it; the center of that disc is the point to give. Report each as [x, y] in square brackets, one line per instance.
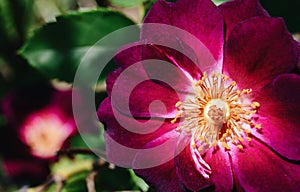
[41, 45]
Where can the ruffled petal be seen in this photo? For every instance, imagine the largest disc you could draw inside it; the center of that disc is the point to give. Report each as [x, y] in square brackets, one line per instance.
[177, 70]
[162, 178]
[127, 148]
[187, 172]
[202, 19]
[221, 174]
[279, 115]
[127, 134]
[242, 9]
[259, 169]
[148, 61]
[258, 50]
[130, 54]
[134, 95]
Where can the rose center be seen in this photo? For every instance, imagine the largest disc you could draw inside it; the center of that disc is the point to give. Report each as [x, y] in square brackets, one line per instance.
[218, 112]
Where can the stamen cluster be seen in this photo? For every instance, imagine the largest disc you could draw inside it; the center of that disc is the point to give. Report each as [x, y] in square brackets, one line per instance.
[217, 112]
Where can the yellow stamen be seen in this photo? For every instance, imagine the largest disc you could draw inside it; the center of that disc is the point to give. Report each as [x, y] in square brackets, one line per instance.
[258, 126]
[248, 138]
[225, 145]
[255, 105]
[178, 104]
[217, 113]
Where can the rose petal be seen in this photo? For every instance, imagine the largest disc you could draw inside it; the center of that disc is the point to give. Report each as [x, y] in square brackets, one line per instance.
[258, 50]
[242, 9]
[259, 169]
[187, 172]
[126, 148]
[134, 95]
[157, 152]
[221, 175]
[202, 19]
[129, 54]
[279, 115]
[154, 153]
[125, 135]
[154, 62]
[162, 178]
[177, 70]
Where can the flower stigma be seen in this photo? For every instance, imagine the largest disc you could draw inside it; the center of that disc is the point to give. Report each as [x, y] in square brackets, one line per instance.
[217, 112]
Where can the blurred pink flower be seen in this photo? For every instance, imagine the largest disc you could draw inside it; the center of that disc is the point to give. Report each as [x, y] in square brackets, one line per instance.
[242, 122]
[39, 123]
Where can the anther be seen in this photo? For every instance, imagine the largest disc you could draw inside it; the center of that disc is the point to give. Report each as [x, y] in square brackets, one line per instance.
[240, 146]
[178, 104]
[255, 105]
[258, 126]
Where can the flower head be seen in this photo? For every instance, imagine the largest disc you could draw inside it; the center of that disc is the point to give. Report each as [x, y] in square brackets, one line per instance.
[39, 123]
[233, 109]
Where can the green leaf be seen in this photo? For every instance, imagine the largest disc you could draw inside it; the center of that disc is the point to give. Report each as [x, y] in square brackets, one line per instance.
[76, 183]
[114, 179]
[15, 21]
[57, 49]
[75, 172]
[127, 3]
[215, 1]
[139, 181]
[68, 167]
[218, 2]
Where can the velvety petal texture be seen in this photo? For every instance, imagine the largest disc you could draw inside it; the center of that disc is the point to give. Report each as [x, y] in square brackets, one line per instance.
[131, 54]
[126, 136]
[133, 79]
[257, 51]
[162, 178]
[237, 11]
[279, 115]
[220, 164]
[187, 172]
[200, 18]
[259, 169]
[131, 101]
